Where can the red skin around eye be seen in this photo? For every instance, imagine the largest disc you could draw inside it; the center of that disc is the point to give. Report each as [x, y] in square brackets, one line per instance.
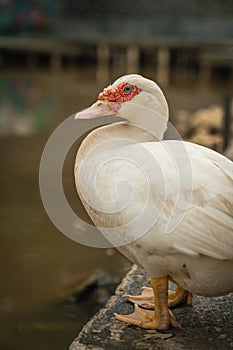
[117, 94]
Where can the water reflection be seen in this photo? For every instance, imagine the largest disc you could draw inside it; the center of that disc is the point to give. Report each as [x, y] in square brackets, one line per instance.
[24, 108]
[39, 267]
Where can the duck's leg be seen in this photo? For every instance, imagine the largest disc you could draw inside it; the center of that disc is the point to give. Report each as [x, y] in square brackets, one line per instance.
[162, 318]
[180, 296]
[146, 299]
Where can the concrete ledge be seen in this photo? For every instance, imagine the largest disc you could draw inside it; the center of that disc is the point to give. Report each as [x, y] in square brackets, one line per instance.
[207, 325]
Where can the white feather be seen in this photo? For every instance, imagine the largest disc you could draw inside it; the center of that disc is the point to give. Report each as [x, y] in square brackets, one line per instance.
[119, 170]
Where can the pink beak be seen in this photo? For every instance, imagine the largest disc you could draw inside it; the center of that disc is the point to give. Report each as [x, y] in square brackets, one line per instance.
[99, 109]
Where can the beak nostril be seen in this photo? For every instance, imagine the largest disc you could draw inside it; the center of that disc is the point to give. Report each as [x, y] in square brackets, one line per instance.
[100, 108]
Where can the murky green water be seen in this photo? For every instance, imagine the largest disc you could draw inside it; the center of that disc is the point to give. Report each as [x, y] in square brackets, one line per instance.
[39, 266]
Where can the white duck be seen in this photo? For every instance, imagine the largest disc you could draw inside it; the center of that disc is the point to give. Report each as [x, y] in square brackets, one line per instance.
[196, 250]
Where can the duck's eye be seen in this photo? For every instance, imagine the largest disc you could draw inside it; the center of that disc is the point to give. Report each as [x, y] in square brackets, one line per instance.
[127, 89]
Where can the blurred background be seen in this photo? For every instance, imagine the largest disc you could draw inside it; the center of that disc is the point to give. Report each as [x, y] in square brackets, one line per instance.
[55, 56]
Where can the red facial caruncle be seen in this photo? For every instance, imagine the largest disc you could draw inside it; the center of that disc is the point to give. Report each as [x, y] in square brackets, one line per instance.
[122, 93]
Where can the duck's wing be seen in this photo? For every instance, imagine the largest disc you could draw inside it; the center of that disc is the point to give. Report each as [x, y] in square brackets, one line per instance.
[118, 185]
[207, 225]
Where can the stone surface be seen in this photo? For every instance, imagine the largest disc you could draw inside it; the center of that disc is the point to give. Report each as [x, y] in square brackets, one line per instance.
[208, 325]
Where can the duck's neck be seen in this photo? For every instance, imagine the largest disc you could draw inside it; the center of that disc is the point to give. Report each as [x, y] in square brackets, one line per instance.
[122, 130]
[149, 119]
[147, 129]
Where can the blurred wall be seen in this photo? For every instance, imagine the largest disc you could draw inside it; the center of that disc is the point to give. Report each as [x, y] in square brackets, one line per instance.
[193, 19]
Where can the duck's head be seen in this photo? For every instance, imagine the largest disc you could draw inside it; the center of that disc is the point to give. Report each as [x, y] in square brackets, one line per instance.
[132, 97]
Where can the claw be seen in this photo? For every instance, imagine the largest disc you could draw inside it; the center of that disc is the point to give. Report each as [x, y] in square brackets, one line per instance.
[175, 298]
[173, 321]
[138, 317]
[145, 300]
[162, 318]
[146, 319]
